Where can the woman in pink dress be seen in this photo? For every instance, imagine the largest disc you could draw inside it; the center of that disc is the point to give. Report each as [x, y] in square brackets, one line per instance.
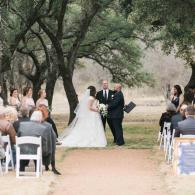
[42, 98]
[14, 99]
[27, 100]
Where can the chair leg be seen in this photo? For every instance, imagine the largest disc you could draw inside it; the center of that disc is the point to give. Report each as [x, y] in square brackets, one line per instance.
[6, 162]
[11, 160]
[159, 136]
[1, 171]
[41, 169]
[17, 168]
[37, 167]
[161, 140]
[165, 142]
[167, 146]
[169, 154]
[166, 151]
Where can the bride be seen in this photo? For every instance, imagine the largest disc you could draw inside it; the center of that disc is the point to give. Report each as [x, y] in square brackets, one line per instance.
[86, 130]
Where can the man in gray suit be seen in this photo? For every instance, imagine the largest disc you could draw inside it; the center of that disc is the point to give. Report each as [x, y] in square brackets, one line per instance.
[187, 127]
[36, 128]
[180, 116]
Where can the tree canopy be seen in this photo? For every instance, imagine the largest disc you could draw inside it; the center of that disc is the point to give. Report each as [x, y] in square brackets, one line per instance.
[54, 35]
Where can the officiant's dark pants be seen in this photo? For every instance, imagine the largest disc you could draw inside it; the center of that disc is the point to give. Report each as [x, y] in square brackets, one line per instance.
[118, 130]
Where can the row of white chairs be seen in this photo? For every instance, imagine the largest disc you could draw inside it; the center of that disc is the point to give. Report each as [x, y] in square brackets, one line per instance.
[166, 140]
[9, 164]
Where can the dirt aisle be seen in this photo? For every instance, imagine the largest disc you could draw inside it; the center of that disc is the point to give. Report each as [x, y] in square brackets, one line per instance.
[109, 172]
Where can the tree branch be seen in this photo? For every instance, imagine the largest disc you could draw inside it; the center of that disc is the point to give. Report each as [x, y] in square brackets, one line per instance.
[60, 19]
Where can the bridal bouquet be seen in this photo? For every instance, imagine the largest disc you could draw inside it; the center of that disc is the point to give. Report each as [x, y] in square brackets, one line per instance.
[103, 110]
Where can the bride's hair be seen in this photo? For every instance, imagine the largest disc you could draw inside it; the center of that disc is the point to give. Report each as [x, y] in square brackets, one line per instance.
[92, 90]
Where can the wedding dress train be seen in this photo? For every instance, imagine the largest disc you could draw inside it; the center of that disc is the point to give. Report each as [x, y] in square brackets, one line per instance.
[86, 130]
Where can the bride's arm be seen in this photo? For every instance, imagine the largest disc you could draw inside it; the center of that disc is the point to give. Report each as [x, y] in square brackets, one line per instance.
[90, 105]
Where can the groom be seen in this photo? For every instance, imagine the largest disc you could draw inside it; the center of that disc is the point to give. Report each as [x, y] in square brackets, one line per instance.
[104, 96]
[115, 114]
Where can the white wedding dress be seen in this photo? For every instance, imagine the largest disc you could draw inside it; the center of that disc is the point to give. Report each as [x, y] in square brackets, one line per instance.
[86, 130]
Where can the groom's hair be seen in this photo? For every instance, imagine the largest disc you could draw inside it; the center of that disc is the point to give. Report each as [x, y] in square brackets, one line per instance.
[92, 90]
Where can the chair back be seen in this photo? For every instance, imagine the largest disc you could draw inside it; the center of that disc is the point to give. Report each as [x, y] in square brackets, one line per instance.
[28, 140]
[187, 136]
[26, 156]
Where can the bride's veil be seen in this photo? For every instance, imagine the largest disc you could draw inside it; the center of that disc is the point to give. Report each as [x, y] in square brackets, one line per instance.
[80, 111]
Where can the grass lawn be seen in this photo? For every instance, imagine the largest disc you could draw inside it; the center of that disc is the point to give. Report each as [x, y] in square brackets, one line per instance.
[137, 136]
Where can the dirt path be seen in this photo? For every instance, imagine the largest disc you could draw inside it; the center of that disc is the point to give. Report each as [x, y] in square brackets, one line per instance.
[110, 172]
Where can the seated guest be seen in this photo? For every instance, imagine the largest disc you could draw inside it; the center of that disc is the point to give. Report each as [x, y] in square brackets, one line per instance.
[35, 128]
[11, 114]
[187, 127]
[24, 116]
[179, 116]
[42, 103]
[47, 117]
[166, 116]
[6, 127]
[49, 127]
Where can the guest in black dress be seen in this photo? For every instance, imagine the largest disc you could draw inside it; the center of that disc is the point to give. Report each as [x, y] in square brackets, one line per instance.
[177, 99]
[166, 116]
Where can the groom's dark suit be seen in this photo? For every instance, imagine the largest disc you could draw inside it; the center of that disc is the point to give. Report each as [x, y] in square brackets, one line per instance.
[100, 96]
[115, 113]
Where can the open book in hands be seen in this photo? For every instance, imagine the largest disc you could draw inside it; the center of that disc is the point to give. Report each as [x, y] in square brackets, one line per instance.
[129, 107]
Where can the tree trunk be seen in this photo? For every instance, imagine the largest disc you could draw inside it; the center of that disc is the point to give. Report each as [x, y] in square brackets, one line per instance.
[36, 87]
[4, 87]
[50, 85]
[71, 94]
[188, 95]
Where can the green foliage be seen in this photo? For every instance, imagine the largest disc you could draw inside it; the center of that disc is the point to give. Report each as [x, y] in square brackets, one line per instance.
[172, 21]
[111, 43]
[109, 40]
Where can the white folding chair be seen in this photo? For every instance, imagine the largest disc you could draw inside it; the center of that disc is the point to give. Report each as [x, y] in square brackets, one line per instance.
[38, 156]
[163, 138]
[9, 163]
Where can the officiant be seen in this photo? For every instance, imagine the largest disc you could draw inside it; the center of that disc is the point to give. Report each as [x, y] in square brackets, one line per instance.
[104, 97]
[115, 114]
